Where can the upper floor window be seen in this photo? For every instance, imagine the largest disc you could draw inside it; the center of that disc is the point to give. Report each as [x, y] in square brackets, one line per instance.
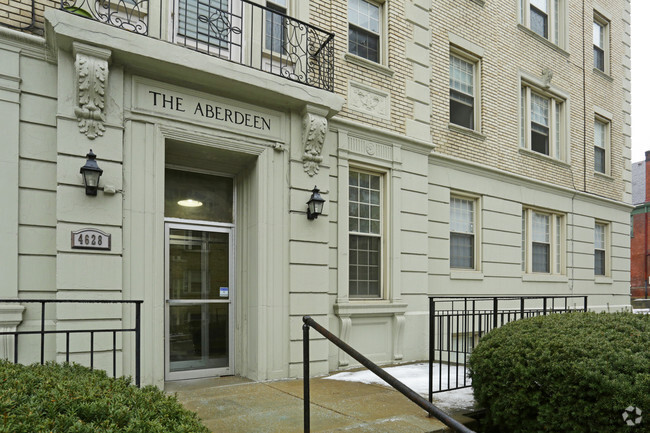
[601, 145]
[601, 43]
[275, 33]
[366, 231]
[544, 17]
[364, 32]
[543, 120]
[205, 24]
[462, 91]
[541, 242]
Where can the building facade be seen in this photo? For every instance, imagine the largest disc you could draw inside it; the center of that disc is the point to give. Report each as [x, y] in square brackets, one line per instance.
[463, 148]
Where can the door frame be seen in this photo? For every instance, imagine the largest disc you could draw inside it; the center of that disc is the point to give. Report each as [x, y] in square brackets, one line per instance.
[229, 228]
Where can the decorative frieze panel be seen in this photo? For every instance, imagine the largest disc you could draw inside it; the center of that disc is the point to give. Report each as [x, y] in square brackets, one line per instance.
[368, 100]
[370, 148]
[91, 67]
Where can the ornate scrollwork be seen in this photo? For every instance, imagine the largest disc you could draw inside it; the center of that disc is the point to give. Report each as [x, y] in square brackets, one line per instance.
[91, 67]
[131, 15]
[314, 128]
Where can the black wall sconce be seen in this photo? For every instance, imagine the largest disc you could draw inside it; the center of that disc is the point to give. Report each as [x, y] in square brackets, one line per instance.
[91, 173]
[315, 204]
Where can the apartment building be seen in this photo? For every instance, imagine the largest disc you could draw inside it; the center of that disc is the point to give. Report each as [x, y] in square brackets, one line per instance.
[461, 147]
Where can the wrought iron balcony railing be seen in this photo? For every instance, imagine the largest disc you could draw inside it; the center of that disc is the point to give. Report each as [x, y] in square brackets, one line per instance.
[258, 37]
[239, 31]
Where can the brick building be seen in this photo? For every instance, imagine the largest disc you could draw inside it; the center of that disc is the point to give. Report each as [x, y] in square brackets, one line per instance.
[463, 148]
[639, 270]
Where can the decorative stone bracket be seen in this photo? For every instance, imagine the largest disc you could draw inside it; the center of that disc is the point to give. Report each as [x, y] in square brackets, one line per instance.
[314, 128]
[91, 66]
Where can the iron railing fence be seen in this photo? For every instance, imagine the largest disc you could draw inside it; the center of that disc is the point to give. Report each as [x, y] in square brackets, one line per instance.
[259, 37]
[238, 31]
[456, 324]
[43, 331]
[131, 15]
[392, 381]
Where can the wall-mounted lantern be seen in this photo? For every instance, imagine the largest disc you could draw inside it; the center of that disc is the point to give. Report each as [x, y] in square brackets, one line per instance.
[91, 173]
[315, 204]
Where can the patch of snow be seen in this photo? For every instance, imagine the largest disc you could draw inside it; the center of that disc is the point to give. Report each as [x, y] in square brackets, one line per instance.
[416, 377]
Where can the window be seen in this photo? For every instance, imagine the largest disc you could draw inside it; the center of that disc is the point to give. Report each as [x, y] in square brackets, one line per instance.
[365, 225]
[601, 42]
[544, 17]
[541, 242]
[462, 240]
[601, 145]
[275, 33]
[462, 99]
[205, 22]
[600, 249]
[364, 29]
[542, 125]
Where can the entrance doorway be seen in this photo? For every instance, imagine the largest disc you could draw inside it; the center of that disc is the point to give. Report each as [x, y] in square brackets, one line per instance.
[199, 313]
[199, 275]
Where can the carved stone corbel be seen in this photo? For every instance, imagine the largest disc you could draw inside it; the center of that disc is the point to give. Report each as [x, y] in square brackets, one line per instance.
[314, 128]
[547, 76]
[91, 67]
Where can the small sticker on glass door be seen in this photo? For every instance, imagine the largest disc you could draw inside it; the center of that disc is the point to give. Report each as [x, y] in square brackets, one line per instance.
[223, 292]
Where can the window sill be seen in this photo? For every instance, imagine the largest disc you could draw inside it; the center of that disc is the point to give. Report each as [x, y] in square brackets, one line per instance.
[543, 157]
[466, 275]
[543, 40]
[360, 61]
[466, 131]
[604, 75]
[369, 308]
[545, 278]
[604, 176]
[600, 279]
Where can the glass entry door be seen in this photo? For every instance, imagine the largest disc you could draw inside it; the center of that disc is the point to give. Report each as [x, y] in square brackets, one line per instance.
[199, 314]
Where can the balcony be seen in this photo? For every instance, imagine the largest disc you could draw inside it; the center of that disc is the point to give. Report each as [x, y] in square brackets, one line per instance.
[237, 31]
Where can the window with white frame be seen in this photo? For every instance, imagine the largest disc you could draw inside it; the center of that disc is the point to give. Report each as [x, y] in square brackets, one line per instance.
[541, 242]
[365, 231]
[364, 30]
[275, 29]
[600, 249]
[544, 17]
[601, 43]
[542, 122]
[601, 145]
[463, 90]
[462, 233]
[205, 23]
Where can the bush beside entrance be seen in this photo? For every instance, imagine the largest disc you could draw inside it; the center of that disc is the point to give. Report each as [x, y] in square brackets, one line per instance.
[575, 372]
[72, 399]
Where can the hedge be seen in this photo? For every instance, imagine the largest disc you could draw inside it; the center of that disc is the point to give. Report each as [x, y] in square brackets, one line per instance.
[72, 399]
[575, 372]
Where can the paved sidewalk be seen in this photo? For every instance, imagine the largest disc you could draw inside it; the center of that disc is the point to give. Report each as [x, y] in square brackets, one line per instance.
[236, 405]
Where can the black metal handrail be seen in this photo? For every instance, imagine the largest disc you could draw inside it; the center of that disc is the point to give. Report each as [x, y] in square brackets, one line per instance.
[456, 324]
[43, 332]
[392, 381]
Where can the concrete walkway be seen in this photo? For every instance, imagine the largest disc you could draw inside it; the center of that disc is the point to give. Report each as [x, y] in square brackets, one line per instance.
[236, 405]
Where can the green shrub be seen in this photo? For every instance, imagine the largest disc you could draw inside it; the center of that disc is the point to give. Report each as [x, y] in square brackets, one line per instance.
[574, 372]
[72, 399]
